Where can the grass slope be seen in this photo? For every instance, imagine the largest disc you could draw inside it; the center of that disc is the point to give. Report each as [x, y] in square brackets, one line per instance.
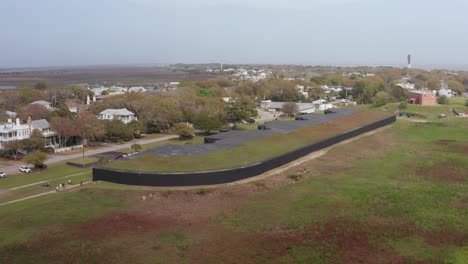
[398, 196]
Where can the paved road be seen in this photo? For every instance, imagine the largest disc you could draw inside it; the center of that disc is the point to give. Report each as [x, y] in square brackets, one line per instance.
[264, 116]
[111, 147]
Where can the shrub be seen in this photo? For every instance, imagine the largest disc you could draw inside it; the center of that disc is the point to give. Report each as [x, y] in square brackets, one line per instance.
[103, 160]
[136, 147]
[381, 99]
[295, 177]
[36, 158]
[202, 191]
[402, 105]
[184, 131]
[442, 100]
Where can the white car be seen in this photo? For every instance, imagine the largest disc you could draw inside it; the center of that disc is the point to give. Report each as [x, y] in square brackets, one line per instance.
[2, 174]
[25, 169]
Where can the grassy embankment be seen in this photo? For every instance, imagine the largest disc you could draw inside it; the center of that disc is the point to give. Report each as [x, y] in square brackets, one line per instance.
[250, 152]
[398, 196]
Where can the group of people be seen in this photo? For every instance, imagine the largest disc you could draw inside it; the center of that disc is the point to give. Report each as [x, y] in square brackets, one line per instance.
[62, 185]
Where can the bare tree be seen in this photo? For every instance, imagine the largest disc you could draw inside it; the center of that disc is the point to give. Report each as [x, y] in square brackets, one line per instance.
[290, 109]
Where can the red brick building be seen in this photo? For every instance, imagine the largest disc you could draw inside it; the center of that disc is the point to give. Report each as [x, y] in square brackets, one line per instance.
[422, 98]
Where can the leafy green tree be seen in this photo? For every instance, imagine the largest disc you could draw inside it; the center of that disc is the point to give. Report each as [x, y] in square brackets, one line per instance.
[208, 123]
[35, 142]
[236, 113]
[136, 147]
[381, 98]
[205, 92]
[36, 158]
[335, 80]
[442, 100]
[184, 130]
[115, 130]
[28, 95]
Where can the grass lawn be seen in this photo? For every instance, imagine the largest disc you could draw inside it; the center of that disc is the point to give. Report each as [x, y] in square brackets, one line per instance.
[152, 136]
[461, 101]
[250, 152]
[84, 161]
[397, 196]
[29, 183]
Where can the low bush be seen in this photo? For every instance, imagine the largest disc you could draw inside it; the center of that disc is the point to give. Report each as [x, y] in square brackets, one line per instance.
[295, 177]
[202, 191]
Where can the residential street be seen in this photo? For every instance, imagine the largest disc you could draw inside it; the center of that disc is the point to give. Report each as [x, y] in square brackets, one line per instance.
[111, 147]
[264, 116]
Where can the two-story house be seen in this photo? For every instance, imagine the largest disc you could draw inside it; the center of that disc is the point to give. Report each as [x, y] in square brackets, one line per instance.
[13, 131]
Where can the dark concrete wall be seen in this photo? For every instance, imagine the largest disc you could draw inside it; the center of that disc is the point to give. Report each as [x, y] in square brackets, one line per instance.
[230, 175]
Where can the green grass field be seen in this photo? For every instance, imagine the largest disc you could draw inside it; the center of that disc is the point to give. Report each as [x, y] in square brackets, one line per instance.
[397, 196]
[250, 152]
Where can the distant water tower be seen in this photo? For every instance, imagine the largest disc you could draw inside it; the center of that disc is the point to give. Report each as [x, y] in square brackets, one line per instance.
[409, 61]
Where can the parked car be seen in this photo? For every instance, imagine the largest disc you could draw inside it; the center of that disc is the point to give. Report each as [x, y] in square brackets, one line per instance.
[25, 169]
[41, 166]
[2, 174]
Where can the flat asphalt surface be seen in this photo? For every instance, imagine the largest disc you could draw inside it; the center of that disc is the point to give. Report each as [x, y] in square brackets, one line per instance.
[234, 138]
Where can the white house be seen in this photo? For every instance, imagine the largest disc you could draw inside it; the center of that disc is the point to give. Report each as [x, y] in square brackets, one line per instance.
[13, 131]
[117, 114]
[301, 89]
[48, 134]
[322, 105]
[137, 89]
[406, 85]
[444, 90]
[45, 104]
[11, 114]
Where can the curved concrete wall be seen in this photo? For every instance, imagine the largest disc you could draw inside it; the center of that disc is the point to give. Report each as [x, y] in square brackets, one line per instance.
[230, 175]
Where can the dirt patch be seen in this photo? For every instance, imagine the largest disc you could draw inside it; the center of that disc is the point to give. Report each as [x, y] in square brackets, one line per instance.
[115, 224]
[442, 171]
[452, 146]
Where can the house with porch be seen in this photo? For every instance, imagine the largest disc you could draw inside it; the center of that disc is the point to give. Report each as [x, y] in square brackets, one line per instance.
[118, 114]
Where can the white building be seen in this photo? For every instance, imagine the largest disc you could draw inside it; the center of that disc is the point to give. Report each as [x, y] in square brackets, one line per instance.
[11, 114]
[322, 105]
[47, 105]
[137, 89]
[301, 89]
[117, 114]
[13, 131]
[407, 86]
[303, 108]
[444, 90]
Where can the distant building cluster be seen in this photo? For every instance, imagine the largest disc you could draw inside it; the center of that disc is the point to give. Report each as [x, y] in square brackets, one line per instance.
[103, 91]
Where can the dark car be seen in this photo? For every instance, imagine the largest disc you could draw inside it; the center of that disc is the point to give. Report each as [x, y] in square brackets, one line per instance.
[300, 118]
[251, 121]
[40, 166]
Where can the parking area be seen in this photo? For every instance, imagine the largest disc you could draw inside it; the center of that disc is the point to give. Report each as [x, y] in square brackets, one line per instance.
[234, 138]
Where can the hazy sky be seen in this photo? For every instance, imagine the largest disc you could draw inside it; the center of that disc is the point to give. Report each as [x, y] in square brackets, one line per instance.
[333, 32]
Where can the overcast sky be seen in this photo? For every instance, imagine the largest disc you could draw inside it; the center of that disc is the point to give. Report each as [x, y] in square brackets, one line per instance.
[317, 32]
